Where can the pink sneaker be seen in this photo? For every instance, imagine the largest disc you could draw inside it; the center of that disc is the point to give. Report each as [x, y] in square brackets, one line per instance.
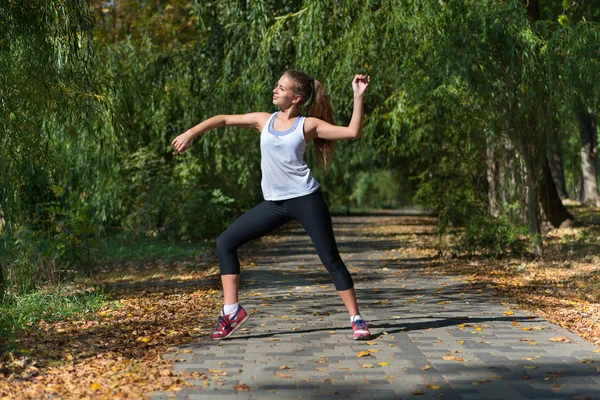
[227, 324]
[361, 330]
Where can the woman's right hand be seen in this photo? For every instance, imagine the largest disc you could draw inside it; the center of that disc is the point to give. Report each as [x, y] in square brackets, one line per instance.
[182, 142]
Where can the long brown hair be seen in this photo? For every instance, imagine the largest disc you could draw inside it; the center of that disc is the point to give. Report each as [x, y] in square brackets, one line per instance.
[312, 93]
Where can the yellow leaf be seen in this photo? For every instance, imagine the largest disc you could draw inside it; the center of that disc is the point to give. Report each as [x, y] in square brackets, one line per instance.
[461, 342]
[509, 312]
[216, 371]
[526, 329]
[371, 343]
[367, 365]
[425, 368]
[586, 361]
[283, 367]
[274, 339]
[373, 350]
[533, 343]
[331, 332]
[434, 387]
[144, 339]
[560, 339]
[363, 354]
[384, 364]
[95, 386]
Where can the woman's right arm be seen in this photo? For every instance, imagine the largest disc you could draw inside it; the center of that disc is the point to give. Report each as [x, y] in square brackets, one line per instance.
[252, 121]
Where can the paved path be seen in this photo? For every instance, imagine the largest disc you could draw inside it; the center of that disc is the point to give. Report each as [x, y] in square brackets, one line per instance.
[435, 336]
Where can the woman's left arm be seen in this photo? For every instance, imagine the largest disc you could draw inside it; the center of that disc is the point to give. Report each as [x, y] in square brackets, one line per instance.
[319, 129]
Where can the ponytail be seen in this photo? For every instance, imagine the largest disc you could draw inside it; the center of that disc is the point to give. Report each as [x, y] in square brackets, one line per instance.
[312, 91]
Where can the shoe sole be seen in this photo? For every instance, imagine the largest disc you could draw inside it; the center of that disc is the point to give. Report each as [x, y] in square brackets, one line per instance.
[234, 329]
[363, 337]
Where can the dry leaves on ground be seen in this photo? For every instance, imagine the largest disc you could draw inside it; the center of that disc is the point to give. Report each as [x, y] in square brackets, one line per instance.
[117, 352]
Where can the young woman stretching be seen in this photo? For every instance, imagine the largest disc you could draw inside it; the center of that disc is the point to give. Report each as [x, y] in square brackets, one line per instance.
[289, 188]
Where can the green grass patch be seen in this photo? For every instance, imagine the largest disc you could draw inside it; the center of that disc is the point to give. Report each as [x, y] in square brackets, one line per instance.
[57, 303]
[121, 249]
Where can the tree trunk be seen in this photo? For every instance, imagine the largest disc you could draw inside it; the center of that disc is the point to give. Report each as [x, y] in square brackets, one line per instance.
[1, 282]
[533, 211]
[533, 9]
[493, 178]
[555, 163]
[589, 157]
[552, 206]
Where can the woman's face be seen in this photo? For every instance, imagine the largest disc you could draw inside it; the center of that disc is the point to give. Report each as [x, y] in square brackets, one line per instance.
[283, 95]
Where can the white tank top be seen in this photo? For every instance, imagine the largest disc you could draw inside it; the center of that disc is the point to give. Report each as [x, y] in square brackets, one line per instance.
[285, 174]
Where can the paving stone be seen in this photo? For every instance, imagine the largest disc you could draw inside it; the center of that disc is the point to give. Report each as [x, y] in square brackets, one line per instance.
[313, 337]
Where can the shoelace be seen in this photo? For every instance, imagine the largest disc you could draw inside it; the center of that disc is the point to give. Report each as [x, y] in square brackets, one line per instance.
[361, 324]
[220, 322]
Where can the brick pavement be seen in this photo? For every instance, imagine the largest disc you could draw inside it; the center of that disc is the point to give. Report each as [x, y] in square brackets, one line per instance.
[442, 337]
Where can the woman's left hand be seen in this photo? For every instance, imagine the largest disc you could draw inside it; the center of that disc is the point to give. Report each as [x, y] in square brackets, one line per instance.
[360, 84]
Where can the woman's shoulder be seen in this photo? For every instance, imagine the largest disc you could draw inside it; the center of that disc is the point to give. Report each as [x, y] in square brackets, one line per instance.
[311, 123]
[261, 118]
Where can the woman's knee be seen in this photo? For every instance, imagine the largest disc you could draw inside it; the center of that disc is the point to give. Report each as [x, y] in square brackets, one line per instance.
[225, 243]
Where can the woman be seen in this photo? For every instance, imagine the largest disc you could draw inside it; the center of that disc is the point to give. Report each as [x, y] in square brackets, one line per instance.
[289, 188]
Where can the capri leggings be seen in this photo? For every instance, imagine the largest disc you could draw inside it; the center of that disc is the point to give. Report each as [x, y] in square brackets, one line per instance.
[310, 211]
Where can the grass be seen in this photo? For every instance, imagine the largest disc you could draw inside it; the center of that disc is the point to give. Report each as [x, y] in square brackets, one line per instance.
[119, 250]
[50, 304]
[78, 298]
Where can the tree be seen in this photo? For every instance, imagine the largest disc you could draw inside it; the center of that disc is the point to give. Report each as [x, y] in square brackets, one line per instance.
[45, 81]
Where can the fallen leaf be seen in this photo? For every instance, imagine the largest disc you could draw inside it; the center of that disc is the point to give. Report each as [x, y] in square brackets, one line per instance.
[363, 354]
[241, 386]
[366, 365]
[560, 339]
[384, 364]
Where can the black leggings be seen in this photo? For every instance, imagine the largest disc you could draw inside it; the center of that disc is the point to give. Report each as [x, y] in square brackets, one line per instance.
[310, 211]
